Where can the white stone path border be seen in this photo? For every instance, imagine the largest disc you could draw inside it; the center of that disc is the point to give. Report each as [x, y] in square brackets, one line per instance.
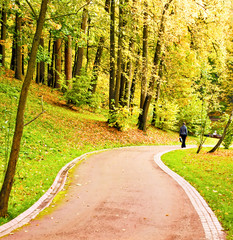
[43, 202]
[212, 227]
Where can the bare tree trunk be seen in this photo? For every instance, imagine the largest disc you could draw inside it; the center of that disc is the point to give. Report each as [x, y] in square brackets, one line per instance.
[223, 135]
[80, 54]
[18, 69]
[142, 120]
[68, 60]
[112, 56]
[10, 173]
[57, 62]
[96, 66]
[3, 35]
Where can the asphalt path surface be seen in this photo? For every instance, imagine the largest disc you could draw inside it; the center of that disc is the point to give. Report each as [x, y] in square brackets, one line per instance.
[119, 195]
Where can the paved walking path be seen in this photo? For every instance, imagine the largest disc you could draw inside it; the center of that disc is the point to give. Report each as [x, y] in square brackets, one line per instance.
[124, 194]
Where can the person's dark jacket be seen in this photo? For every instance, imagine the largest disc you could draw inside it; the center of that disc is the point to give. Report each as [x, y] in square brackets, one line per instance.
[183, 130]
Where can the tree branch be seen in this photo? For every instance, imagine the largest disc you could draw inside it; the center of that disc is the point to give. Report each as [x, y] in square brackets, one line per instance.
[34, 13]
[42, 111]
[69, 14]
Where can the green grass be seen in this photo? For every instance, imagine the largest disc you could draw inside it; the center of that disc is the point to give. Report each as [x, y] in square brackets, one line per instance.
[211, 175]
[54, 139]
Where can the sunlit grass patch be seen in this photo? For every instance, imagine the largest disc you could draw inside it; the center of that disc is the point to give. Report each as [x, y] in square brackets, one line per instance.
[212, 175]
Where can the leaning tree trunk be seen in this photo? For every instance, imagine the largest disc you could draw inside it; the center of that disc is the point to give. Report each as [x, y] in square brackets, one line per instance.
[142, 120]
[223, 135]
[3, 35]
[10, 172]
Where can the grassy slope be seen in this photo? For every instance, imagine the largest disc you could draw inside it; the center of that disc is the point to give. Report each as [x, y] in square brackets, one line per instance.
[212, 175]
[55, 138]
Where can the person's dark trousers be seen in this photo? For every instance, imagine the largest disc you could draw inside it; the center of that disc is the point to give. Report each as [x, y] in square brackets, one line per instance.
[183, 140]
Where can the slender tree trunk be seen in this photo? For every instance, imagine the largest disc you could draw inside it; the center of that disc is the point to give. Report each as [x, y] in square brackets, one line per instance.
[119, 55]
[142, 120]
[3, 35]
[157, 94]
[18, 69]
[13, 53]
[223, 135]
[10, 173]
[80, 54]
[112, 56]
[40, 73]
[57, 62]
[88, 36]
[96, 66]
[133, 85]
[128, 75]
[144, 55]
[68, 60]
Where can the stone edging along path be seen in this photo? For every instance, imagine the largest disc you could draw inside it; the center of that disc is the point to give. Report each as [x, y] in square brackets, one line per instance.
[212, 227]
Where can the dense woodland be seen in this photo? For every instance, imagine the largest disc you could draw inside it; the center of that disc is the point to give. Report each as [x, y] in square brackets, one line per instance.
[166, 61]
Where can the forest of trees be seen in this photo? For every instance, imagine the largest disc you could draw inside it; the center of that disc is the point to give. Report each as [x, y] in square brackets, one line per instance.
[167, 61]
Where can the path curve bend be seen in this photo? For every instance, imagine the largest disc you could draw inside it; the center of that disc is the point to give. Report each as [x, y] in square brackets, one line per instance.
[123, 194]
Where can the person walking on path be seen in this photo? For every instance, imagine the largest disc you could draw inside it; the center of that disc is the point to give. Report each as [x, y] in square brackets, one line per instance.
[183, 134]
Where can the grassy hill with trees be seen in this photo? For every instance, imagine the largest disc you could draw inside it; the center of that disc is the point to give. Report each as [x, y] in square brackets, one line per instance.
[62, 133]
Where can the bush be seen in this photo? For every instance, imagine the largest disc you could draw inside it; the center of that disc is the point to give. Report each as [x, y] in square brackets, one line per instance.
[120, 118]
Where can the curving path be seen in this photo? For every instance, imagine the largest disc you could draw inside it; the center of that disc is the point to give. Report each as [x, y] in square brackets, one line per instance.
[120, 194]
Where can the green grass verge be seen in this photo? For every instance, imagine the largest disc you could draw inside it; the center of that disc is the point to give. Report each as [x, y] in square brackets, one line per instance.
[211, 175]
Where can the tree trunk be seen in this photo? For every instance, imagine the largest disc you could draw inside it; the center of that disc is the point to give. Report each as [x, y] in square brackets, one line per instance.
[68, 60]
[143, 115]
[144, 55]
[80, 54]
[3, 35]
[112, 56]
[88, 36]
[57, 62]
[96, 66]
[9, 176]
[18, 69]
[157, 94]
[223, 135]
[119, 55]
[133, 85]
[128, 75]
[40, 75]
